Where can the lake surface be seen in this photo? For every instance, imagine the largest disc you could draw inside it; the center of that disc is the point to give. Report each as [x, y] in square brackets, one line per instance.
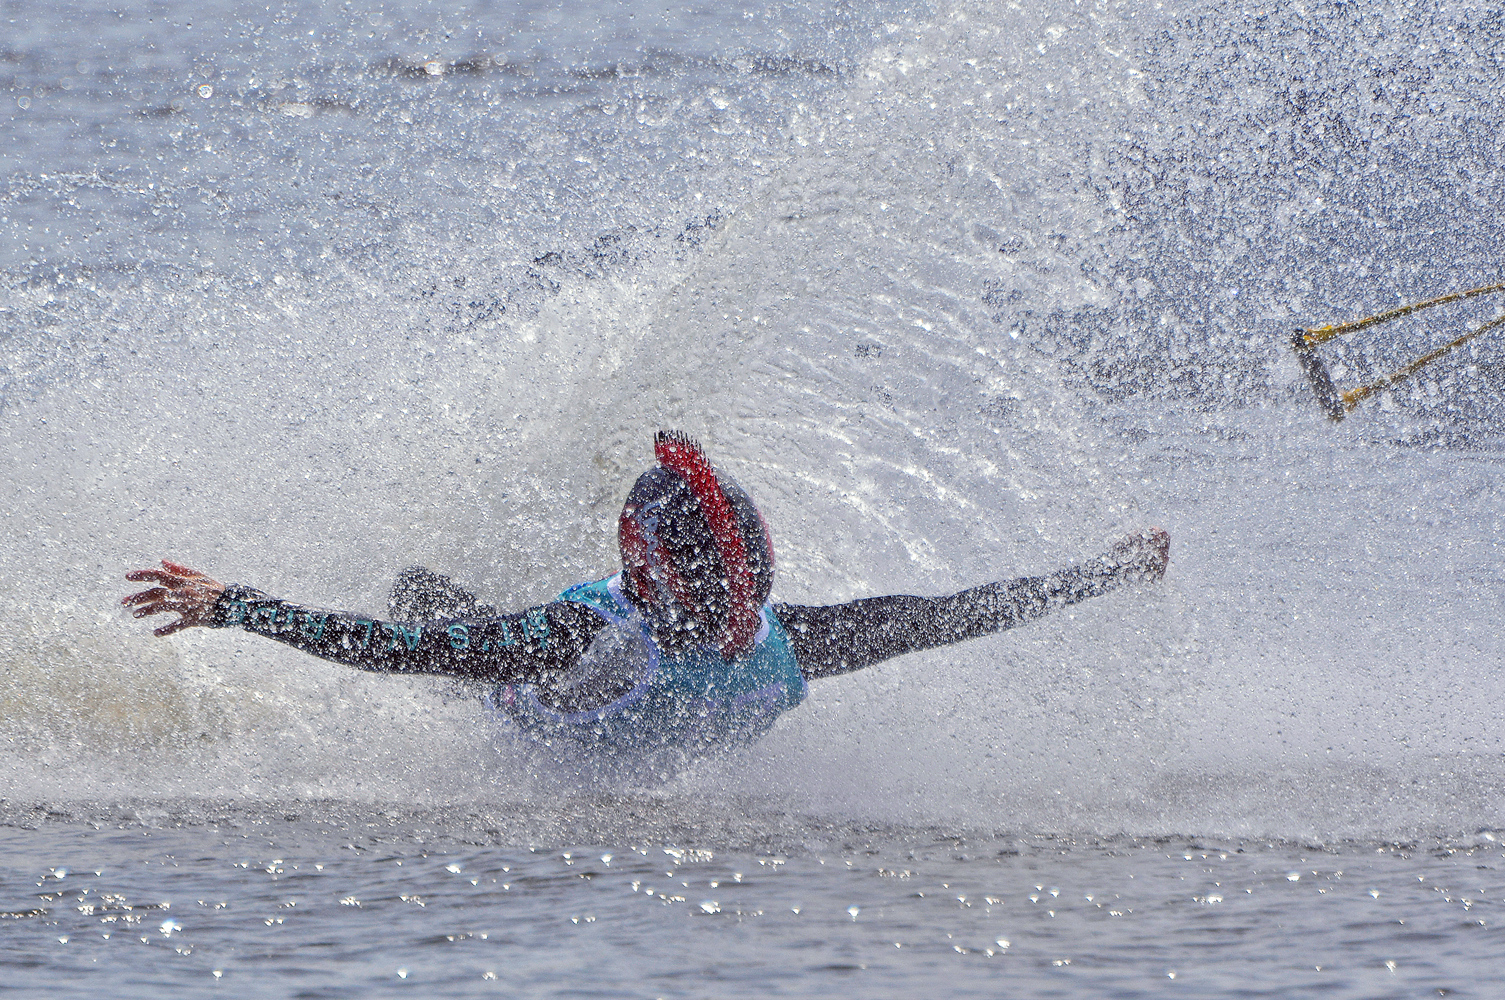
[329, 901]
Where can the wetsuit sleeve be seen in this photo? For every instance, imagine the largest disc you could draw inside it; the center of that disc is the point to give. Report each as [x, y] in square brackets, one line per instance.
[840, 638]
[525, 648]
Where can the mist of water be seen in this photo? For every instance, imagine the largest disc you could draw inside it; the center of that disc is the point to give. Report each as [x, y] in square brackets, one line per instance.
[989, 290]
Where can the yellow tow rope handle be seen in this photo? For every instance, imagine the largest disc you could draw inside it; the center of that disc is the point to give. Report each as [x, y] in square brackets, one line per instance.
[1321, 334]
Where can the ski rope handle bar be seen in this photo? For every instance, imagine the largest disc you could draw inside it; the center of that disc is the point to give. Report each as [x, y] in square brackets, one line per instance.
[1339, 404]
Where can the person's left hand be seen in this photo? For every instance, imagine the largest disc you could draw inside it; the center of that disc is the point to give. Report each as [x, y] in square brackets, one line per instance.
[187, 591]
[1147, 554]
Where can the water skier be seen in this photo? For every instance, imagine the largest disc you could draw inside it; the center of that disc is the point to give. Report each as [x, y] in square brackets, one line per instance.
[681, 649]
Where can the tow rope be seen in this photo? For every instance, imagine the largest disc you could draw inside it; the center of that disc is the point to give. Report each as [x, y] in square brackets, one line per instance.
[1338, 404]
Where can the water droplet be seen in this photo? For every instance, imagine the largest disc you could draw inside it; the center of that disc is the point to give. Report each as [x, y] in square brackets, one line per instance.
[455, 869]
[852, 911]
[1293, 877]
[710, 906]
[1002, 943]
[206, 91]
[402, 973]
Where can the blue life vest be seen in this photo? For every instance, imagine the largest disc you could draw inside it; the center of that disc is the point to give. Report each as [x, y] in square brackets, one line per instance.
[697, 702]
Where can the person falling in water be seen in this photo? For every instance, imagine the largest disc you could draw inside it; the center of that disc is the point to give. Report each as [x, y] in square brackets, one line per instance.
[681, 649]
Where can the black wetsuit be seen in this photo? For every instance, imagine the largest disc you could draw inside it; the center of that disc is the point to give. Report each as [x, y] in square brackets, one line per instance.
[438, 628]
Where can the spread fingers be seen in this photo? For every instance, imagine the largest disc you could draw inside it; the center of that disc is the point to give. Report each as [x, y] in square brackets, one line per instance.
[180, 569]
[155, 594]
[157, 607]
[155, 576]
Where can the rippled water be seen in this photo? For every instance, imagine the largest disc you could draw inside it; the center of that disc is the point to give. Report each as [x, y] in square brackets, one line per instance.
[306, 295]
[327, 901]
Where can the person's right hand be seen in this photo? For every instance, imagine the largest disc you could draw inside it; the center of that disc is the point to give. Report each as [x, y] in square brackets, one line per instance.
[188, 592]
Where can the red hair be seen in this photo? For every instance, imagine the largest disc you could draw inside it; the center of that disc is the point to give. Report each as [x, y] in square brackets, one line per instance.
[682, 454]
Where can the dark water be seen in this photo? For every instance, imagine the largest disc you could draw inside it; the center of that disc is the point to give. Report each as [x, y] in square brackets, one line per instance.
[241, 138]
[325, 901]
[303, 295]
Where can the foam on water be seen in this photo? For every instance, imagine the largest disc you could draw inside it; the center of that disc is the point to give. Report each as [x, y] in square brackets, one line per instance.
[974, 305]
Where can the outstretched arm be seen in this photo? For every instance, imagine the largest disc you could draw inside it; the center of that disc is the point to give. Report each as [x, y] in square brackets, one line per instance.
[844, 637]
[530, 647]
